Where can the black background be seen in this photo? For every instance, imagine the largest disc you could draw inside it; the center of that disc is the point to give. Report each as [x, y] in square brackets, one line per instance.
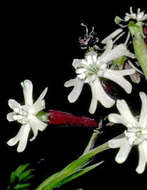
[39, 42]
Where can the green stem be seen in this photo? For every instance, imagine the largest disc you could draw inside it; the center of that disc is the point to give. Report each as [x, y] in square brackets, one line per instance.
[92, 141]
[139, 45]
[71, 169]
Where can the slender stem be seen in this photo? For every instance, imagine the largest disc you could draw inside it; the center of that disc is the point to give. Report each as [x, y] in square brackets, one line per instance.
[56, 178]
[92, 141]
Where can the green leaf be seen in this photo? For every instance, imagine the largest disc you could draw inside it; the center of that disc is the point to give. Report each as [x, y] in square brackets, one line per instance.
[21, 169]
[23, 176]
[19, 179]
[77, 174]
[74, 168]
[12, 177]
[22, 186]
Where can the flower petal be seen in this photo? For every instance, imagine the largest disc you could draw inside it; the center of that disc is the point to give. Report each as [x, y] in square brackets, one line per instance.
[101, 95]
[39, 104]
[117, 52]
[27, 92]
[126, 113]
[10, 116]
[124, 151]
[94, 100]
[77, 63]
[76, 91]
[36, 125]
[116, 118]
[108, 48]
[93, 105]
[21, 137]
[143, 114]
[13, 104]
[116, 76]
[112, 35]
[24, 138]
[142, 148]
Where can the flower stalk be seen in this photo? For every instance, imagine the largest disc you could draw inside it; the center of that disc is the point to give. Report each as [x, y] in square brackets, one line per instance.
[73, 170]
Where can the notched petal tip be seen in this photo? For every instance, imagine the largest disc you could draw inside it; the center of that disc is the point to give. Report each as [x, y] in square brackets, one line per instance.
[13, 104]
[120, 159]
[139, 171]
[143, 96]
[112, 117]
[10, 116]
[20, 149]
[26, 84]
[71, 98]
[10, 142]
[69, 83]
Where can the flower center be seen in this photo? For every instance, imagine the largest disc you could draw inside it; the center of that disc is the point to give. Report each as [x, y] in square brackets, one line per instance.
[21, 115]
[136, 135]
[92, 69]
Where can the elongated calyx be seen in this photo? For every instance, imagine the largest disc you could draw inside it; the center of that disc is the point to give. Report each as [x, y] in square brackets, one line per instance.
[64, 118]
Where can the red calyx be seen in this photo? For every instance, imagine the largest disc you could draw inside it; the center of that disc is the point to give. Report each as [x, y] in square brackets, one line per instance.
[145, 30]
[64, 118]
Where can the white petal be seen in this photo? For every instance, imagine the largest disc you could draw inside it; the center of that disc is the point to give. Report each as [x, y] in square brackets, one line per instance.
[124, 150]
[101, 95]
[21, 137]
[116, 77]
[112, 35]
[80, 70]
[94, 100]
[108, 49]
[94, 58]
[93, 105]
[13, 104]
[77, 63]
[36, 125]
[126, 113]
[27, 91]
[116, 142]
[89, 59]
[24, 138]
[40, 103]
[70, 83]
[143, 114]
[115, 118]
[117, 52]
[142, 148]
[10, 116]
[123, 72]
[76, 91]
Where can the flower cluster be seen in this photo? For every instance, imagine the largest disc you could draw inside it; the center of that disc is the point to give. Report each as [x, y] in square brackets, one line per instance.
[138, 17]
[94, 68]
[113, 62]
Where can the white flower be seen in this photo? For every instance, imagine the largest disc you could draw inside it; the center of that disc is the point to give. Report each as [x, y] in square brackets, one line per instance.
[26, 116]
[139, 17]
[134, 135]
[91, 69]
